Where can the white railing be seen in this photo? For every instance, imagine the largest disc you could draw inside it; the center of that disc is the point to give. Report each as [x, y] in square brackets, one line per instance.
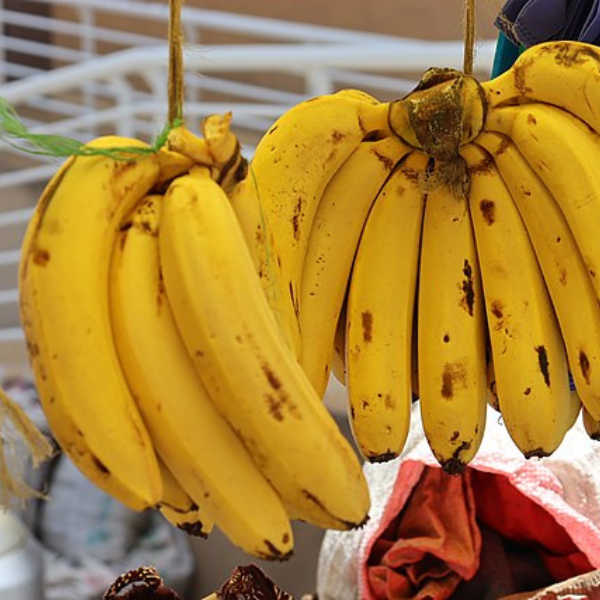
[94, 75]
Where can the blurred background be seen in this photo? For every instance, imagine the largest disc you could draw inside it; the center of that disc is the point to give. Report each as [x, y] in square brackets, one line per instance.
[81, 68]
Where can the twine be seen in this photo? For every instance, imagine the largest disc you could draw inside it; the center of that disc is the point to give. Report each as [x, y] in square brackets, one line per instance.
[469, 48]
[176, 70]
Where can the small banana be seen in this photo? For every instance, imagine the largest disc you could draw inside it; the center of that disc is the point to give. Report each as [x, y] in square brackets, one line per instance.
[380, 314]
[179, 509]
[561, 73]
[288, 173]
[253, 376]
[332, 243]
[63, 284]
[530, 364]
[196, 444]
[566, 276]
[451, 330]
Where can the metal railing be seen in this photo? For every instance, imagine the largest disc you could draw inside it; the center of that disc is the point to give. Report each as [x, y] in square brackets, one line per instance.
[100, 66]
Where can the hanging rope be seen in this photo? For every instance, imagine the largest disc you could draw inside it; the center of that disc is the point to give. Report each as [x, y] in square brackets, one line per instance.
[176, 72]
[469, 51]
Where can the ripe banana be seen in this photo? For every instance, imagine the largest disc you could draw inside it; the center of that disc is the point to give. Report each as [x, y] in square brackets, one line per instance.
[179, 509]
[567, 279]
[291, 166]
[565, 154]
[197, 445]
[63, 282]
[530, 364]
[562, 73]
[332, 243]
[380, 314]
[258, 385]
[451, 330]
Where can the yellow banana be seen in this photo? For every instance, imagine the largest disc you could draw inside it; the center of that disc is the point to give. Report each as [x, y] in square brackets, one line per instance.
[561, 73]
[292, 164]
[253, 376]
[530, 364]
[338, 359]
[565, 154]
[451, 330]
[63, 284]
[380, 314]
[179, 509]
[332, 243]
[191, 437]
[566, 276]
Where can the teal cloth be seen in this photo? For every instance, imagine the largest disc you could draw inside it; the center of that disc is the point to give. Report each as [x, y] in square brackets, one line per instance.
[505, 55]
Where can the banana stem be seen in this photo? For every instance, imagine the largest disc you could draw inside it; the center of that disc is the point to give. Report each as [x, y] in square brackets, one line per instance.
[176, 72]
[469, 52]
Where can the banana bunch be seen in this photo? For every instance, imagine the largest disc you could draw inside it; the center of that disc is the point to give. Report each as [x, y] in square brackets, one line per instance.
[443, 246]
[159, 363]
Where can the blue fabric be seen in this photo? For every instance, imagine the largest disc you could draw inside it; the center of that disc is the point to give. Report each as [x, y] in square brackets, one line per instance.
[529, 22]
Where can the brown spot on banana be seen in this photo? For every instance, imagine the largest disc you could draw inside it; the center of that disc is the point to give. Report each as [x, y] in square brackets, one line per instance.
[468, 299]
[496, 308]
[455, 466]
[41, 257]
[367, 326]
[543, 363]
[488, 211]
[382, 457]
[194, 529]
[531, 120]
[536, 453]
[584, 366]
[100, 465]
[454, 373]
[273, 380]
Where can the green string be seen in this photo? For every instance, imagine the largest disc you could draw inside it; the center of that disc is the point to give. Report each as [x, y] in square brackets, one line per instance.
[15, 134]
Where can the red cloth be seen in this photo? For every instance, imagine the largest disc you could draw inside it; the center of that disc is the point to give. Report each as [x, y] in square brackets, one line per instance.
[432, 544]
[506, 510]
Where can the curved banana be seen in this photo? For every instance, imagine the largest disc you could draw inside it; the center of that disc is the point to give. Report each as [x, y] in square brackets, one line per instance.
[179, 509]
[191, 437]
[561, 73]
[380, 314]
[292, 164]
[332, 243]
[566, 276]
[451, 331]
[63, 283]
[530, 364]
[253, 376]
[565, 154]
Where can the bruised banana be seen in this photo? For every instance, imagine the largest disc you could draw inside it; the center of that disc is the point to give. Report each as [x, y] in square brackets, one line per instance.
[288, 173]
[562, 73]
[332, 243]
[566, 276]
[63, 285]
[254, 377]
[451, 330]
[197, 445]
[179, 509]
[530, 364]
[380, 314]
[565, 154]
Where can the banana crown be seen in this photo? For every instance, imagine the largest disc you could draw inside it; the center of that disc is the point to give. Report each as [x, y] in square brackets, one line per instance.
[445, 111]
